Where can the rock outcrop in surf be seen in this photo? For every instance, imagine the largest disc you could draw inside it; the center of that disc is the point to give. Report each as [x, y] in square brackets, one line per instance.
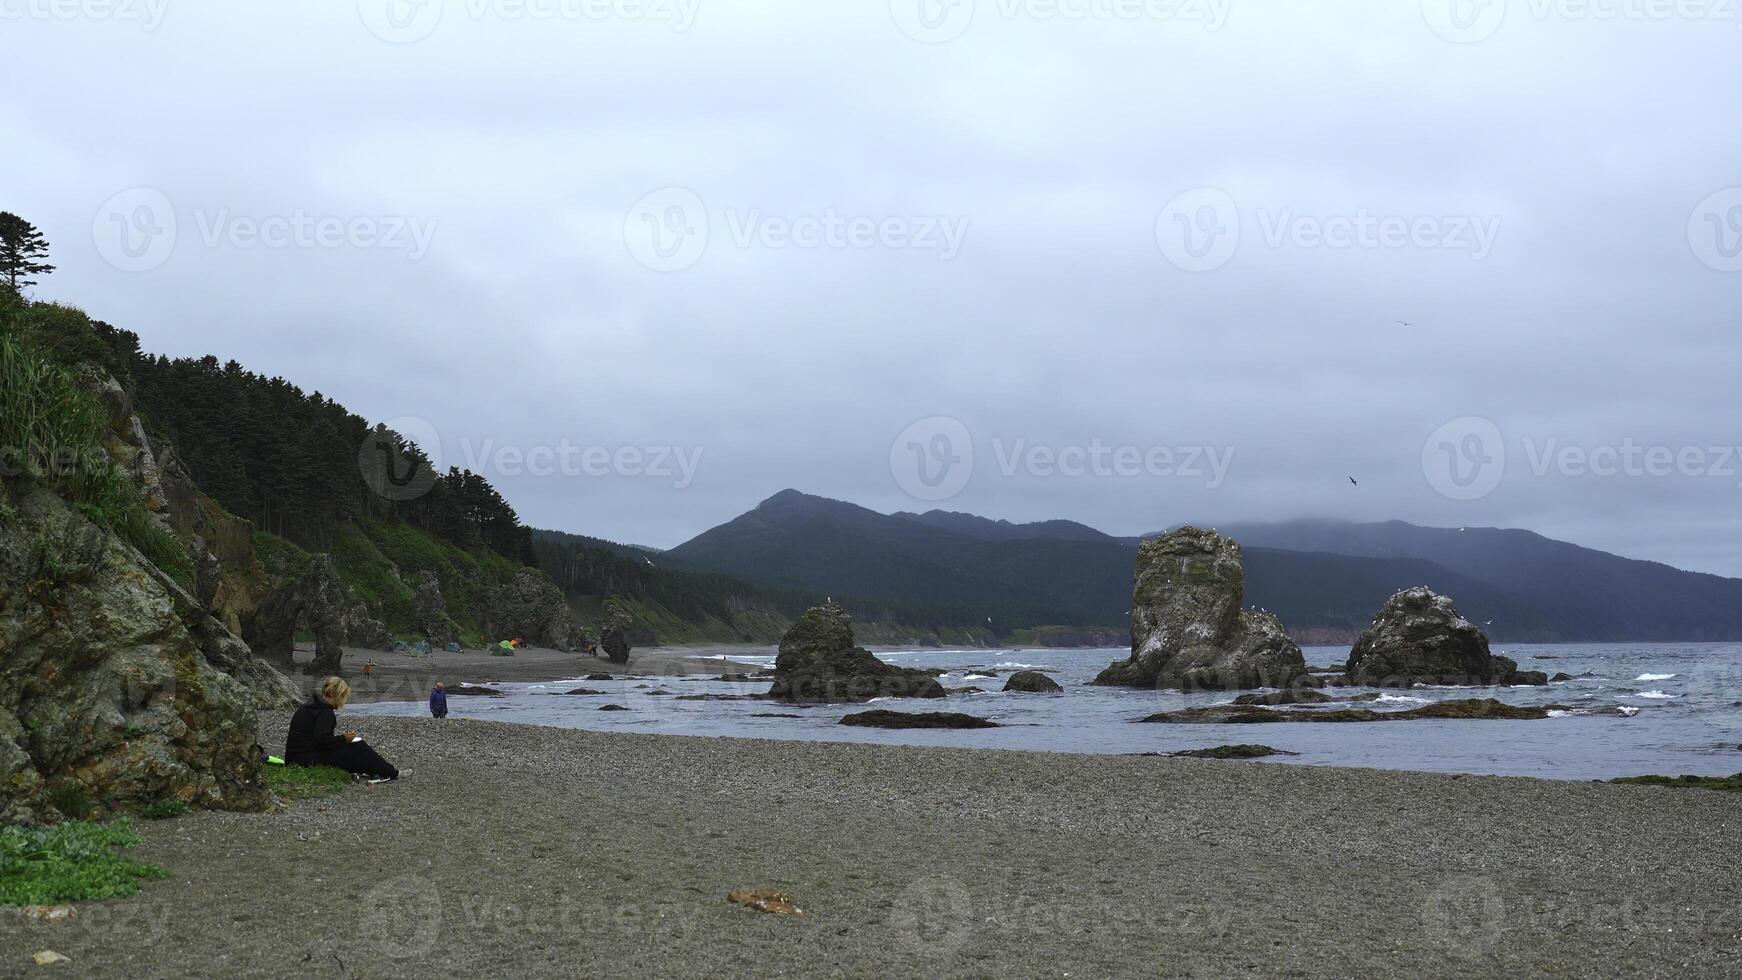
[1032, 682]
[1419, 638]
[819, 662]
[1188, 629]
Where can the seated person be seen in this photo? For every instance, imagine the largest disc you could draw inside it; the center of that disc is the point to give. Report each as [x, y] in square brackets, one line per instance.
[313, 741]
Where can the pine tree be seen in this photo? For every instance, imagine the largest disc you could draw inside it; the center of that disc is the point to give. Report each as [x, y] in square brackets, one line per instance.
[22, 249]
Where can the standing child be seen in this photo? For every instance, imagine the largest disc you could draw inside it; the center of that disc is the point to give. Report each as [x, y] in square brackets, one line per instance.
[438, 701]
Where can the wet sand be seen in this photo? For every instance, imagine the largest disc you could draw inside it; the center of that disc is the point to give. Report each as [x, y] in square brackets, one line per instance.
[520, 851]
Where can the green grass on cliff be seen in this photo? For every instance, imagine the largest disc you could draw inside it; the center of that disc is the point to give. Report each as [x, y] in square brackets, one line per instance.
[52, 429]
[69, 862]
[281, 558]
[467, 575]
[381, 561]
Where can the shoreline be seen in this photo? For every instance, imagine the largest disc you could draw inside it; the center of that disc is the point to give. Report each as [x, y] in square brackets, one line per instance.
[403, 677]
[513, 848]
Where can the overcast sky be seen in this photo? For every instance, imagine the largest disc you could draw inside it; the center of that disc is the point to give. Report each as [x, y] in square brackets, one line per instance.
[647, 262]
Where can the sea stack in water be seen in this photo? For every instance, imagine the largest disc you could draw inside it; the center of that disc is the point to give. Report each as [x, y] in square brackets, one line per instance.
[818, 662]
[1032, 682]
[1419, 638]
[1188, 629]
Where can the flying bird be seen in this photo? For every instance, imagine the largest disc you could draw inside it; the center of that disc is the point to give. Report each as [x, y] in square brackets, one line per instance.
[1352, 482]
[1405, 323]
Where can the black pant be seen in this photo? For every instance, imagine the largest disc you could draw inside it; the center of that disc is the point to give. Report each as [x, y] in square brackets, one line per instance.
[353, 757]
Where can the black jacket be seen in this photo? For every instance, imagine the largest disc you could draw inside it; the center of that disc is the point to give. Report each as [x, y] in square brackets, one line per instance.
[312, 731]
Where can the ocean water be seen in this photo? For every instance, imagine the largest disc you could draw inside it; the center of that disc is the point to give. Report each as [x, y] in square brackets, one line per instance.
[1684, 701]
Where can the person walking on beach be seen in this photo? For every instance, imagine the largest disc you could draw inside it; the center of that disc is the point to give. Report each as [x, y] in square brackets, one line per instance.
[313, 740]
[438, 701]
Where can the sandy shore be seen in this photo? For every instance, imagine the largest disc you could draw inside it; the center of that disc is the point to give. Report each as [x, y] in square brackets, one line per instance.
[522, 851]
[403, 677]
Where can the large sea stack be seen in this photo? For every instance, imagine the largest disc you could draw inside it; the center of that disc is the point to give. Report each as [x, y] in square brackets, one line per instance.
[819, 662]
[1188, 629]
[1419, 638]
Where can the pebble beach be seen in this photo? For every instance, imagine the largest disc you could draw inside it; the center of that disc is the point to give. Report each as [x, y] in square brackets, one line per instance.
[519, 850]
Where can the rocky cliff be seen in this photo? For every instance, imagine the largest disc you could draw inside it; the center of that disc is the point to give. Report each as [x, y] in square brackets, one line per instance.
[819, 662]
[1419, 638]
[1188, 629]
[117, 686]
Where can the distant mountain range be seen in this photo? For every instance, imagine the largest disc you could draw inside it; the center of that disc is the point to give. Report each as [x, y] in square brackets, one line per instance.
[1324, 579]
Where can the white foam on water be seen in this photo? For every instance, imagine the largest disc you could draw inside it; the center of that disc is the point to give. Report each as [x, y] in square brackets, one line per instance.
[1656, 695]
[1401, 699]
[1559, 714]
[1654, 677]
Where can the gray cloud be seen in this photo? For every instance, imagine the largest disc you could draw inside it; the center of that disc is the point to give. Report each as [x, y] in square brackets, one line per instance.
[1598, 315]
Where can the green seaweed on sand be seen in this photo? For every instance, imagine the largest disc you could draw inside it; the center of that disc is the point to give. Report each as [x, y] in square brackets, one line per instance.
[306, 782]
[69, 862]
[1234, 752]
[1724, 784]
[880, 718]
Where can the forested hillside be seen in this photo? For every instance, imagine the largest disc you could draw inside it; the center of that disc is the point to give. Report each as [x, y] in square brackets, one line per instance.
[296, 463]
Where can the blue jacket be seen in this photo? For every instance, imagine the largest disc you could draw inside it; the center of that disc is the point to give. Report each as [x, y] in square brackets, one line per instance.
[438, 703]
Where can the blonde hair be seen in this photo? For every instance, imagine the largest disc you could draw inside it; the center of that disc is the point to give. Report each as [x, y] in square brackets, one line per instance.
[335, 691]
